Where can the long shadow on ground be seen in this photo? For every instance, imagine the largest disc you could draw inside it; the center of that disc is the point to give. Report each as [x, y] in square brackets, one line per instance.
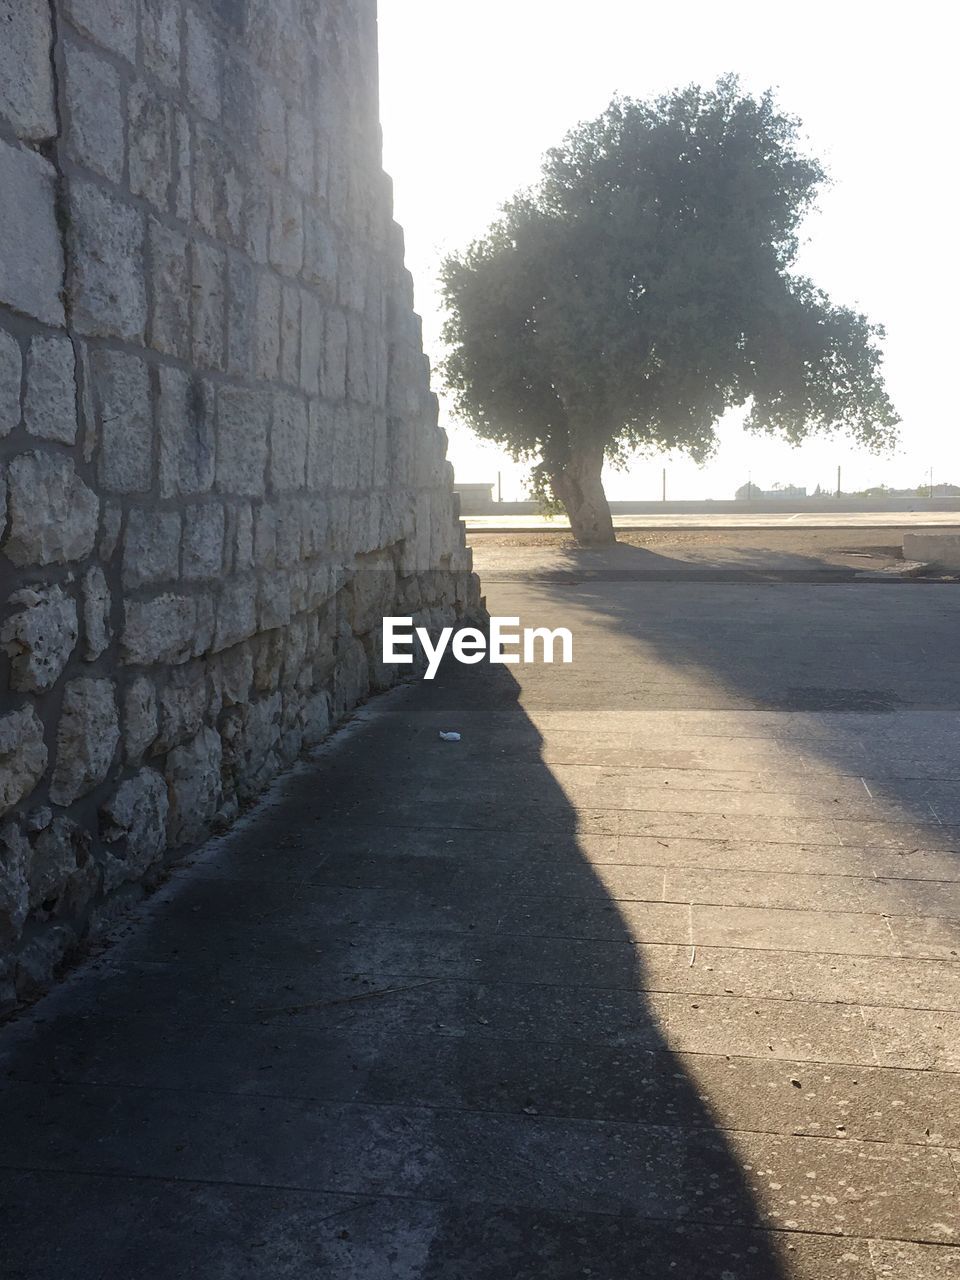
[351, 1043]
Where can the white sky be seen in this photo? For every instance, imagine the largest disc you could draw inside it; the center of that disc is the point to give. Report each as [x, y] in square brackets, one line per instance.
[474, 91]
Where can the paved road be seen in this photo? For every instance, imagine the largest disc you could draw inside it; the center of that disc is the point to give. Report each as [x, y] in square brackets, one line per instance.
[722, 520]
[655, 973]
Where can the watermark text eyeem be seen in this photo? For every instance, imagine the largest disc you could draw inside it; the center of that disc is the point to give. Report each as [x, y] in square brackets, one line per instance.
[506, 644]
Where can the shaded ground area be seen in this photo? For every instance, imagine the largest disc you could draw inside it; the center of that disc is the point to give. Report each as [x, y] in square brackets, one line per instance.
[654, 973]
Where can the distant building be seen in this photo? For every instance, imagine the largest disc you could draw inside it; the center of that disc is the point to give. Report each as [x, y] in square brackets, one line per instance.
[475, 499]
[779, 491]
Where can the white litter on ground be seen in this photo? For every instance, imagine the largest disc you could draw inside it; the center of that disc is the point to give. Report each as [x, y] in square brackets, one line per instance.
[448, 735]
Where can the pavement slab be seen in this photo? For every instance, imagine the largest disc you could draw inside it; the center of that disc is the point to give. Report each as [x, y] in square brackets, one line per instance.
[655, 972]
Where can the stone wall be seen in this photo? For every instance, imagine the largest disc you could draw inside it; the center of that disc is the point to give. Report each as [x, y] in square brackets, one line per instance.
[219, 455]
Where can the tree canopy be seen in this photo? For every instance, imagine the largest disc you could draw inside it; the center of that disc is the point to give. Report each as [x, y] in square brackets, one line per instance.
[644, 286]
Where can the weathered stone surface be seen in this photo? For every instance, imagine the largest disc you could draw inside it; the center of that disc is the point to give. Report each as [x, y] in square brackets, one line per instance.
[288, 445]
[60, 868]
[23, 755]
[243, 421]
[267, 318]
[107, 270]
[126, 427]
[140, 718]
[111, 23]
[32, 277]
[53, 515]
[11, 372]
[160, 33]
[39, 638]
[50, 401]
[208, 273]
[195, 787]
[164, 629]
[14, 886]
[26, 79]
[203, 531]
[134, 823]
[151, 548]
[94, 136]
[187, 438]
[183, 705]
[95, 606]
[203, 62]
[87, 738]
[221, 201]
[150, 144]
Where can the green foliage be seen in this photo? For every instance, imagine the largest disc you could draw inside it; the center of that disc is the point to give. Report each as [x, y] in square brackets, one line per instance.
[644, 286]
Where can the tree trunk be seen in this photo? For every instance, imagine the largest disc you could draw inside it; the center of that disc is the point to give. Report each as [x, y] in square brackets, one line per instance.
[578, 487]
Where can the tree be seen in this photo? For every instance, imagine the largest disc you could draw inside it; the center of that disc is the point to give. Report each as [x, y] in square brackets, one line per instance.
[643, 287]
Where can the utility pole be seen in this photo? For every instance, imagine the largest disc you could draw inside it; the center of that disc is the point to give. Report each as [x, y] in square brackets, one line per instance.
[838, 482]
[499, 486]
[664, 491]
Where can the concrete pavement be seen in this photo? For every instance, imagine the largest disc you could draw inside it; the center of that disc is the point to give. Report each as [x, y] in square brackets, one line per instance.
[654, 973]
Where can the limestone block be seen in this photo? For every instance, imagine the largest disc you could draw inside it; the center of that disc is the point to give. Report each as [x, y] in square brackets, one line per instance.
[320, 446]
[53, 515]
[11, 372]
[288, 449]
[273, 602]
[316, 719]
[236, 612]
[61, 876]
[265, 537]
[311, 342]
[182, 706]
[26, 80]
[208, 274]
[95, 606]
[203, 65]
[241, 318]
[286, 231]
[236, 675]
[23, 755]
[164, 629]
[182, 168]
[149, 131]
[111, 23]
[126, 428]
[31, 278]
[140, 718]
[185, 414]
[352, 277]
[170, 290]
[134, 823]
[50, 401]
[267, 331]
[271, 127]
[301, 152]
[94, 134]
[87, 738]
[107, 272]
[151, 548]
[160, 34]
[39, 638]
[194, 786]
[203, 533]
[320, 257]
[290, 334]
[251, 741]
[333, 377]
[14, 886]
[243, 419]
[256, 217]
